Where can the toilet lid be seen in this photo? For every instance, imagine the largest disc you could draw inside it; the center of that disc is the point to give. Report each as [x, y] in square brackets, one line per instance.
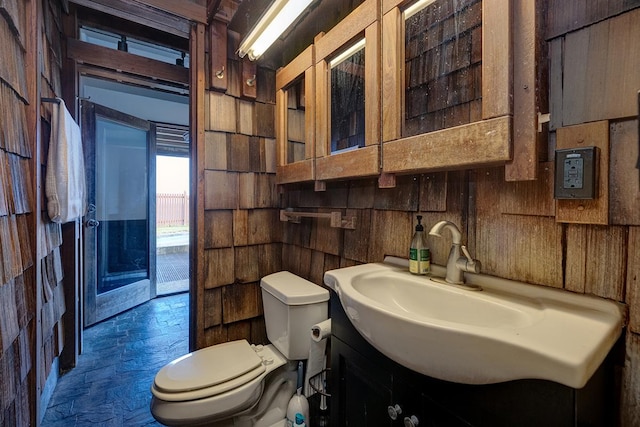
[223, 365]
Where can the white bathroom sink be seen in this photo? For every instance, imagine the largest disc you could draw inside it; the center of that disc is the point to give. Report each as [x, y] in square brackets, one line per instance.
[509, 330]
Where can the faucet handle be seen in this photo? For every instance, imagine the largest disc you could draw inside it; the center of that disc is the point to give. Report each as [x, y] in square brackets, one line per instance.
[469, 264]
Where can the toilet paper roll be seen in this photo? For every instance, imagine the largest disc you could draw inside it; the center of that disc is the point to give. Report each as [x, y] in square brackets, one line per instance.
[317, 360]
[321, 330]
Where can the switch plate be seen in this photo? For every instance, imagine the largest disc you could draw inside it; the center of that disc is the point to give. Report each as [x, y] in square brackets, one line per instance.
[576, 173]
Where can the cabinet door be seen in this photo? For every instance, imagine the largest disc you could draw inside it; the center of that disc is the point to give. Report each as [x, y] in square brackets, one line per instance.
[295, 119]
[418, 409]
[361, 392]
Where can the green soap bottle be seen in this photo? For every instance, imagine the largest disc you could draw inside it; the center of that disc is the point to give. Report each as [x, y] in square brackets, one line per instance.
[419, 256]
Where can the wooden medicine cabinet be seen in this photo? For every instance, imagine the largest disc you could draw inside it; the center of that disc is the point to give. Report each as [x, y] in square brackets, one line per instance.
[448, 85]
[295, 119]
[348, 96]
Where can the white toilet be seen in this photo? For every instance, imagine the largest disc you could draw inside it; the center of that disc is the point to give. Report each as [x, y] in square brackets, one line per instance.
[238, 384]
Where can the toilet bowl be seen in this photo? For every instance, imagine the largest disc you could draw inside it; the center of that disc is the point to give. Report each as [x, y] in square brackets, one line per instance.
[240, 384]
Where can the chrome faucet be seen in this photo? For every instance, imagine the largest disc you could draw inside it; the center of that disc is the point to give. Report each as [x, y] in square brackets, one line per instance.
[456, 264]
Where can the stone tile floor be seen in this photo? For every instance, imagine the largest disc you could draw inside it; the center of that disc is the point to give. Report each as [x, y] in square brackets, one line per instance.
[110, 386]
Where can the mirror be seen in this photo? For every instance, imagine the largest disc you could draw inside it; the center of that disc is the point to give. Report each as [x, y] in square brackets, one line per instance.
[348, 99]
[443, 65]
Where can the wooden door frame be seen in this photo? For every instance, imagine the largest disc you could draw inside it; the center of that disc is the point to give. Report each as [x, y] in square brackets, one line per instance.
[195, 81]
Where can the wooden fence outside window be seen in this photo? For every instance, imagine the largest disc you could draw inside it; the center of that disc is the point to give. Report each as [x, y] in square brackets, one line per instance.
[172, 210]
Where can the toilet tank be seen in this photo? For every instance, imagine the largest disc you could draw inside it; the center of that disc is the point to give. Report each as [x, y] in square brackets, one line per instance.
[292, 305]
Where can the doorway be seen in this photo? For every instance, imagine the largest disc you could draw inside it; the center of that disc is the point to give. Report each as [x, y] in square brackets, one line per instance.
[172, 210]
[134, 286]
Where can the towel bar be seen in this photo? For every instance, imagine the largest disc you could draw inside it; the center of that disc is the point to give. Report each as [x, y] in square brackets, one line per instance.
[337, 220]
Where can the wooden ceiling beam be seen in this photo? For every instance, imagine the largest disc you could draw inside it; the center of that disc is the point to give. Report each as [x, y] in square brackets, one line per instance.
[142, 14]
[112, 59]
[185, 9]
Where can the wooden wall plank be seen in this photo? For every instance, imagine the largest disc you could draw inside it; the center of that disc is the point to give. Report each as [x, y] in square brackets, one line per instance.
[218, 268]
[433, 192]
[215, 151]
[576, 50]
[356, 242]
[266, 91]
[264, 120]
[263, 226]
[556, 88]
[238, 152]
[269, 259]
[268, 154]
[9, 327]
[595, 260]
[630, 412]
[600, 78]
[246, 264]
[622, 79]
[501, 245]
[361, 193]
[325, 238]
[404, 197]
[624, 186]
[218, 229]
[241, 302]
[564, 16]
[246, 115]
[212, 307]
[220, 190]
[531, 197]
[633, 279]
[391, 234]
[221, 112]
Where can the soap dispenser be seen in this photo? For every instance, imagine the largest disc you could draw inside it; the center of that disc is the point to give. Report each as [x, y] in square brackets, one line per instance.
[419, 256]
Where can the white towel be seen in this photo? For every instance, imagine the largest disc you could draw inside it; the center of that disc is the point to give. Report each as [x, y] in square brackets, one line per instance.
[65, 185]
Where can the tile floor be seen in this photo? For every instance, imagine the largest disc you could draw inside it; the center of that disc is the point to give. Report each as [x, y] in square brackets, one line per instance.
[110, 386]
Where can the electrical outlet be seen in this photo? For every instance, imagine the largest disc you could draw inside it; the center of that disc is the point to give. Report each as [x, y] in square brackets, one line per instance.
[576, 173]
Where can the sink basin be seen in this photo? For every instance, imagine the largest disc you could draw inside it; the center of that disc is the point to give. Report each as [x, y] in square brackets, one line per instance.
[507, 331]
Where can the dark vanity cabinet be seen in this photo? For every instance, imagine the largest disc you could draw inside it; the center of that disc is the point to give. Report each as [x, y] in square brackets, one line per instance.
[368, 390]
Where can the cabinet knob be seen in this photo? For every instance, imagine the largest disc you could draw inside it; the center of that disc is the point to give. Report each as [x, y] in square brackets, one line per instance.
[411, 421]
[394, 411]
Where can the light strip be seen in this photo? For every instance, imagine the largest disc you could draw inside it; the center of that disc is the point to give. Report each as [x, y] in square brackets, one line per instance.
[347, 53]
[416, 7]
[272, 24]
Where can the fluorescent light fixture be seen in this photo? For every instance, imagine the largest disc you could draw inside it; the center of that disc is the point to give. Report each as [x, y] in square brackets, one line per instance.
[272, 24]
[416, 7]
[347, 53]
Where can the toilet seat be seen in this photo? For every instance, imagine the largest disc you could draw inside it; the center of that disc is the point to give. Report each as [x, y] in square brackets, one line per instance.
[209, 372]
[219, 400]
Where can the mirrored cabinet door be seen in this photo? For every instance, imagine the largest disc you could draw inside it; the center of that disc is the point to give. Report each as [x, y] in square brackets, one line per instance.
[443, 65]
[447, 84]
[348, 96]
[295, 119]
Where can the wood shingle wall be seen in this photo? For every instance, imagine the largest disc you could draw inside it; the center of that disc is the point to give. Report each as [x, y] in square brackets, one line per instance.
[31, 296]
[242, 231]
